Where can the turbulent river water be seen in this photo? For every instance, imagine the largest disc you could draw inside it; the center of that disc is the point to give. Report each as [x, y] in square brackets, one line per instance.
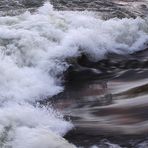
[76, 67]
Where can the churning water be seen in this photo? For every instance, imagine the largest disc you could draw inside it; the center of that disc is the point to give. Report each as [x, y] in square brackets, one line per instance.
[34, 50]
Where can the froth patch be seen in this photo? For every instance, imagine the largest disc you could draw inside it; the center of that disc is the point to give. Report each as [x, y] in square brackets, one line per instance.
[38, 45]
[23, 125]
[37, 138]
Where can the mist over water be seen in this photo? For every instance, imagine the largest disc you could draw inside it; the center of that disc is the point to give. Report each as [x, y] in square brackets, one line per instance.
[34, 50]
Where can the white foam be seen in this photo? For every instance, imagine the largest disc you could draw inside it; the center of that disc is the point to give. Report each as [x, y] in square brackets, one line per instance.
[33, 53]
[34, 47]
[23, 125]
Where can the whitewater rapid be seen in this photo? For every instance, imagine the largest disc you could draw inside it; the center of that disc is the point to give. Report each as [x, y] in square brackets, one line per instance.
[34, 48]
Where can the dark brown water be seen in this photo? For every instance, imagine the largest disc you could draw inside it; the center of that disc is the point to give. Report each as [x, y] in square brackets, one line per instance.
[112, 108]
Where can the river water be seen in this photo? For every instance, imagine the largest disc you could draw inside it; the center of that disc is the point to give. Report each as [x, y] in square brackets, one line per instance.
[73, 74]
